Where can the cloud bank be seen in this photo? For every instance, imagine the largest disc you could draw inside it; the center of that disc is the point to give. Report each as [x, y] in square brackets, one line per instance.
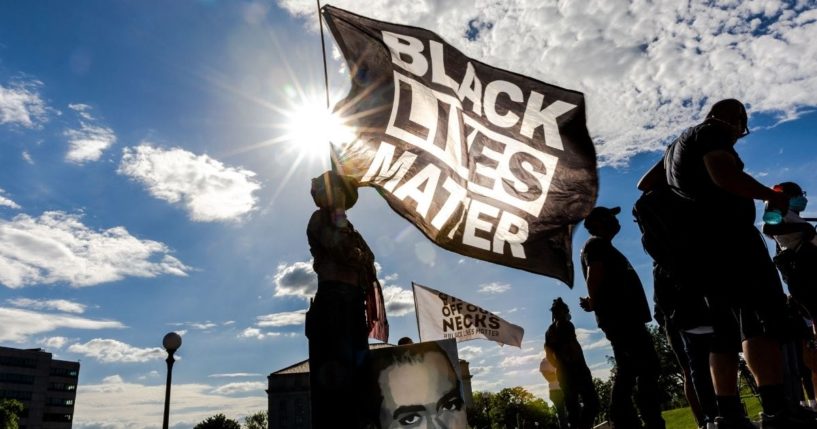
[647, 69]
[57, 247]
[209, 190]
[17, 325]
[21, 104]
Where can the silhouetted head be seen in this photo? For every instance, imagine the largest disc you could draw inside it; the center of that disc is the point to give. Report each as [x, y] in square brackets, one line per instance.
[732, 113]
[330, 190]
[560, 310]
[405, 340]
[797, 197]
[602, 221]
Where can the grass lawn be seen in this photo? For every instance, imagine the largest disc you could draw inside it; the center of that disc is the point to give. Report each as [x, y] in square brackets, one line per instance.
[681, 418]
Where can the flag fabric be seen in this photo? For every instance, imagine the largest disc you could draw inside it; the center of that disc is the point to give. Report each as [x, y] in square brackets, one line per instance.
[441, 316]
[485, 162]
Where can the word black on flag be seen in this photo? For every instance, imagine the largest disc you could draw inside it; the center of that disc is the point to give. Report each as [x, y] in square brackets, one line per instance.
[485, 162]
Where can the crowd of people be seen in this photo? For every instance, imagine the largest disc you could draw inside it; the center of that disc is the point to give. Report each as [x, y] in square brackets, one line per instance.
[715, 300]
[717, 293]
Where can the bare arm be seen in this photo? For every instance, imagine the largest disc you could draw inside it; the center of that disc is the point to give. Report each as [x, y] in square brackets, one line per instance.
[653, 178]
[724, 170]
[595, 274]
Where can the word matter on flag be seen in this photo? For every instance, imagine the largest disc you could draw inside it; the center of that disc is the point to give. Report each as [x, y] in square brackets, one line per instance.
[485, 162]
[441, 317]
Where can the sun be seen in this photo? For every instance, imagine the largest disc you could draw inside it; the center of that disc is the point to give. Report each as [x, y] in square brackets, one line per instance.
[309, 128]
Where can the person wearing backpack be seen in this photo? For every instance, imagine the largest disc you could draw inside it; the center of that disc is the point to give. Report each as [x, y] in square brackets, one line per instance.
[742, 288]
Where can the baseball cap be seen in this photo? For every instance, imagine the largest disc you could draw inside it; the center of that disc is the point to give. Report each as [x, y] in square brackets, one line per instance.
[599, 213]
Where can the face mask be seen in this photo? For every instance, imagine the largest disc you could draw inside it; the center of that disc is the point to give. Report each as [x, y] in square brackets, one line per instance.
[798, 203]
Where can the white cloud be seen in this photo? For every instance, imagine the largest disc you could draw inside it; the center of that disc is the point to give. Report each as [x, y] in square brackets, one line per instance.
[234, 375]
[115, 404]
[523, 360]
[258, 334]
[201, 326]
[276, 320]
[591, 339]
[88, 142]
[108, 351]
[113, 379]
[470, 352]
[17, 325]
[241, 387]
[27, 158]
[20, 104]
[58, 247]
[399, 302]
[54, 342]
[7, 202]
[298, 280]
[494, 288]
[647, 69]
[48, 304]
[209, 190]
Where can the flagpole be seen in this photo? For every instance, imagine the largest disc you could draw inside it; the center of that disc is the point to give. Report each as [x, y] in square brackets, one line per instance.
[416, 313]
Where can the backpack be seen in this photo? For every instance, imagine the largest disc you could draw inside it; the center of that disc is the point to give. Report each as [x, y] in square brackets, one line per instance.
[667, 224]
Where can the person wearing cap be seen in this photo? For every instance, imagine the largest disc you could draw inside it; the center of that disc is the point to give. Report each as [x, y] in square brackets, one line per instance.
[731, 267]
[617, 297]
[347, 307]
[563, 351]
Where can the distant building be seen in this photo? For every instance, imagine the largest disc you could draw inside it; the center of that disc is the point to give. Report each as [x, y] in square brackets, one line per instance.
[47, 387]
[288, 394]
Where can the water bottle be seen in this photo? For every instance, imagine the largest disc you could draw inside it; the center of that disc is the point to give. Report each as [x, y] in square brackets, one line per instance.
[772, 216]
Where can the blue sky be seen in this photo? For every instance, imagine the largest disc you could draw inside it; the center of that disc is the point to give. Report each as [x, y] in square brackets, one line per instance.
[140, 191]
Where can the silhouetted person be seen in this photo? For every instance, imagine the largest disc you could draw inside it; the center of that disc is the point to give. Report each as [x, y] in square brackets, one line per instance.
[547, 367]
[685, 320]
[797, 244]
[617, 297]
[740, 282]
[336, 323]
[562, 347]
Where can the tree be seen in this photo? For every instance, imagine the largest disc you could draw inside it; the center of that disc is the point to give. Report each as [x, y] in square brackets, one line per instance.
[10, 410]
[218, 421]
[258, 420]
[512, 407]
[671, 377]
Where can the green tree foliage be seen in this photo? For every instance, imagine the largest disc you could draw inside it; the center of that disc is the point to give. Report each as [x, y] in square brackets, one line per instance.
[604, 388]
[512, 407]
[10, 410]
[671, 377]
[218, 421]
[258, 420]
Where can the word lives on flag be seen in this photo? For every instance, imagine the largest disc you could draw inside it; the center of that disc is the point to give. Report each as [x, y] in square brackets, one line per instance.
[485, 162]
[441, 316]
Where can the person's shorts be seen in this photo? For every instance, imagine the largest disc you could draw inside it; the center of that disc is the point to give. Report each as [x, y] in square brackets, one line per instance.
[743, 290]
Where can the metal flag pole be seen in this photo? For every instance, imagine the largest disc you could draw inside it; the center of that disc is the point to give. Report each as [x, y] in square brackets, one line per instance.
[332, 155]
[416, 313]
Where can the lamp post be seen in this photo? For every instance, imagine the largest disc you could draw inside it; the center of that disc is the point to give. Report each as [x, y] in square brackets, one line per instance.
[171, 342]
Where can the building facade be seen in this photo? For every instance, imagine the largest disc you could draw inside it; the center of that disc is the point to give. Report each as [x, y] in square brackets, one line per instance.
[47, 387]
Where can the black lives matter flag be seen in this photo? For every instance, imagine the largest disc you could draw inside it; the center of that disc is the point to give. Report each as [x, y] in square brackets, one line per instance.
[486, 162]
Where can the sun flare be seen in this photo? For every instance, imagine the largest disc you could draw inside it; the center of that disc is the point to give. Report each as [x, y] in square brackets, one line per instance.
[310, 127]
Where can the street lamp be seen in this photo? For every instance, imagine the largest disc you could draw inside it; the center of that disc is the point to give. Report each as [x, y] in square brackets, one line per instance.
[171, 342]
